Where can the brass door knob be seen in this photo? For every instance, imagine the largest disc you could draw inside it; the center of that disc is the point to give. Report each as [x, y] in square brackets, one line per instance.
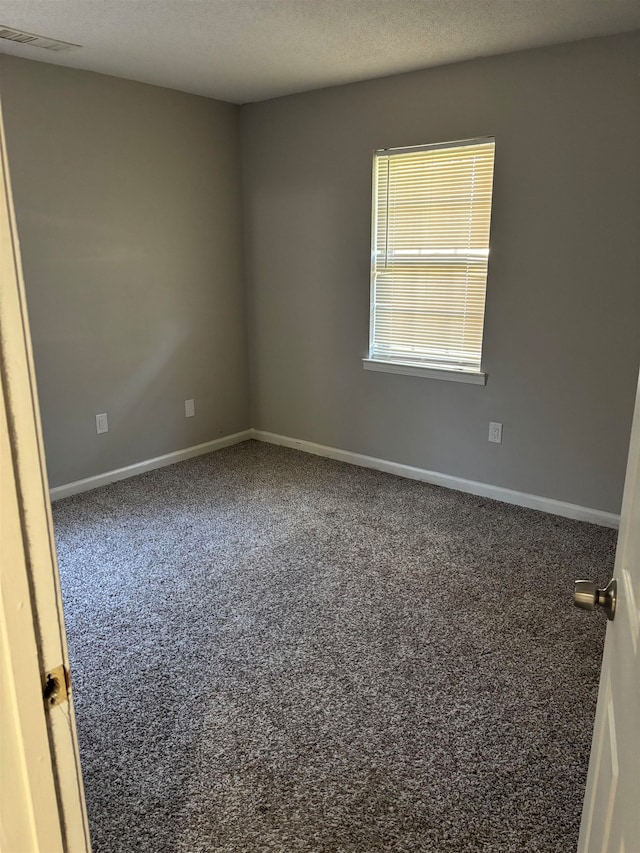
[587, 596]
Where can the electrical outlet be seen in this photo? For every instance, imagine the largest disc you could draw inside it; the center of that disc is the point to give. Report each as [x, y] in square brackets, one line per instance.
[495, 432]
[102, 424]
[189, 408]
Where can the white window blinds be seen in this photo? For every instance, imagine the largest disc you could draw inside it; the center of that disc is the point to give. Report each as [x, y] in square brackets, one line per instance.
[430, 248]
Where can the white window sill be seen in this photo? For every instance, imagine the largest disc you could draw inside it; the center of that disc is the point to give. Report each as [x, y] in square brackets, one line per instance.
[448, 375]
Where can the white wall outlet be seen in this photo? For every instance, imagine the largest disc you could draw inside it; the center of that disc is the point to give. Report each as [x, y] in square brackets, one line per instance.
[495, 432]
[189, 408]
[102, 424]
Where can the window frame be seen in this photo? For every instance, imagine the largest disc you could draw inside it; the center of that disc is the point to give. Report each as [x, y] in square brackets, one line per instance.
[448, 372]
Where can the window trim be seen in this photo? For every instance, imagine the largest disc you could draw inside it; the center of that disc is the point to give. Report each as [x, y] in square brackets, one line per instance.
[450, 374]
[426, 371]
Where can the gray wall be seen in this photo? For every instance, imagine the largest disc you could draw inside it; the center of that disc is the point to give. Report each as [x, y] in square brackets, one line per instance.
[129, 214]
[562, 331]
[128, 208]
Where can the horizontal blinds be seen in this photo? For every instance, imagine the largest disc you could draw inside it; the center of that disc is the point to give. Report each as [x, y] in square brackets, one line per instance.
[431, 217]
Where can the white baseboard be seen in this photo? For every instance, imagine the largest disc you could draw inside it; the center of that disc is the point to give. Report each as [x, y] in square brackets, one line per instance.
[147, 465]
[485, 490]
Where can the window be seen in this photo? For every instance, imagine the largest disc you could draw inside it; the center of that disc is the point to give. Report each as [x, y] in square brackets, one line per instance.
[429, 256]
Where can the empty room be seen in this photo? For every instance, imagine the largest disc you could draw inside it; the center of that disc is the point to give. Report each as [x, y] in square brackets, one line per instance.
[320, 338]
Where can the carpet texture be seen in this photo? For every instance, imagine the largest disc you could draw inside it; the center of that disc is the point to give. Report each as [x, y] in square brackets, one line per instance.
[276, 652]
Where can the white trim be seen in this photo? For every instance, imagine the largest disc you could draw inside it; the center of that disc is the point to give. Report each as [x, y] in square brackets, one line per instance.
[89, 483]
[472, 487]
[449, 374]
[486, 490]
[436, 146]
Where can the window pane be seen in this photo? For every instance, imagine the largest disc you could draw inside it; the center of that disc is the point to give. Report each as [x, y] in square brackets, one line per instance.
[430, 249]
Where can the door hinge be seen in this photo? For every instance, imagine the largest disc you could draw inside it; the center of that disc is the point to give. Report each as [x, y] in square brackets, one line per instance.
[56, 686]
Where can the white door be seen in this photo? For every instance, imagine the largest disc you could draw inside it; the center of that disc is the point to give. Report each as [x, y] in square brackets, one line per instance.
[42, 799]
[611, 813]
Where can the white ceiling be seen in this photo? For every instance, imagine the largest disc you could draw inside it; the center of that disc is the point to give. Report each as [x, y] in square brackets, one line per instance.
[250, 50]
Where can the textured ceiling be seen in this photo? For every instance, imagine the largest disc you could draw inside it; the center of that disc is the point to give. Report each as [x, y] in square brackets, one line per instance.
[250, 50]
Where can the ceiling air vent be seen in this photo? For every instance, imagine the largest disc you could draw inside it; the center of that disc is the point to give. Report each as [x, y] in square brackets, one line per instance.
[20, 37]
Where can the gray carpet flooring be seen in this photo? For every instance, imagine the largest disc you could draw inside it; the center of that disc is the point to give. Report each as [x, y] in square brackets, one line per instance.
[276, 652]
